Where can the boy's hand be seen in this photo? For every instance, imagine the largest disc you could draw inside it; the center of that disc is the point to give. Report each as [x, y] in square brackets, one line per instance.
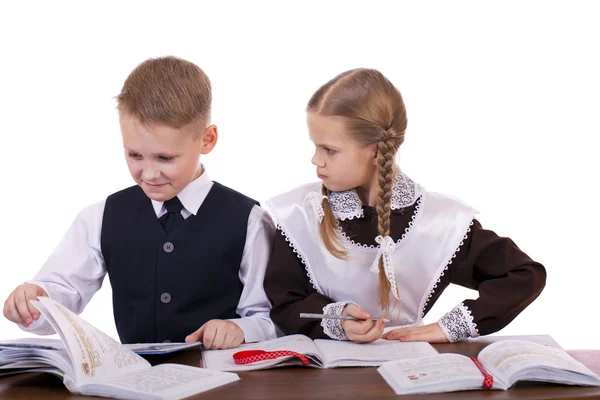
[431, 333]
[361, 331]
[218, 334]
[17, 308]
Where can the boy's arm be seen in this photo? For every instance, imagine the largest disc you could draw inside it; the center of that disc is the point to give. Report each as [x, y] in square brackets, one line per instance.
[254, 305]
[75, 269]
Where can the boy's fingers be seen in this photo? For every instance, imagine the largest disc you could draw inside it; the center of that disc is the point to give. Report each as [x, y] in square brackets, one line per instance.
[196, 336]
[23, 307]
[228, 342]
[8, 304]
[219, 340]
[35, 313]
[11, 311]
[209, 336]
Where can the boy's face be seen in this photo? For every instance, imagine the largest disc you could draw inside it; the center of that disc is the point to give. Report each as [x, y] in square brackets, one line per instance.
[342, 163]
[161, 159]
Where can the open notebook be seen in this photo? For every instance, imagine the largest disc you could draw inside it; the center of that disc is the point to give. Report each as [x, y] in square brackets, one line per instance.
[320, 353]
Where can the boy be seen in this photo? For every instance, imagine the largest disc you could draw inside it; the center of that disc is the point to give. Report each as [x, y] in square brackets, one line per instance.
[181, 251]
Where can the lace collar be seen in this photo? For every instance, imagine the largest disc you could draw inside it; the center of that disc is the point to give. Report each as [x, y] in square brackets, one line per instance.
[347, 205]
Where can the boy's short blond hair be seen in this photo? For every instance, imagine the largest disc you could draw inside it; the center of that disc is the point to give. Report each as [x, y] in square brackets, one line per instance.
[167, 90]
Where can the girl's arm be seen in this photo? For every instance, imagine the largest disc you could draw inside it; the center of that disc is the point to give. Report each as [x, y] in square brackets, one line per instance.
[507, 279]
[291, 293]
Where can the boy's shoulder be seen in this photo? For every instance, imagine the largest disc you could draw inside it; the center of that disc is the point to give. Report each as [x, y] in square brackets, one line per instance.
[132, 191]
[233, 195]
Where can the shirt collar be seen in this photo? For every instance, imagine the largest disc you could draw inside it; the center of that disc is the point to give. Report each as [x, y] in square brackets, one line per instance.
[192, 196]
[347, 204]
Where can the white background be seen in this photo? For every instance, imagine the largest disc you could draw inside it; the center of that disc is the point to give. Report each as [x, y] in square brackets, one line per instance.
[503, 101]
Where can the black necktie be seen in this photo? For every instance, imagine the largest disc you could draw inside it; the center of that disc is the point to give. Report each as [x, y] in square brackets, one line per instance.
[173, 217]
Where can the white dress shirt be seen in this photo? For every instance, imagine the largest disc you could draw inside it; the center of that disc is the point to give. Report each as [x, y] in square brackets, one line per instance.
[76, 268]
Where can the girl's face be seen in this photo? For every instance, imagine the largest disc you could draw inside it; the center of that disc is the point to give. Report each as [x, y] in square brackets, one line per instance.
[342, 163]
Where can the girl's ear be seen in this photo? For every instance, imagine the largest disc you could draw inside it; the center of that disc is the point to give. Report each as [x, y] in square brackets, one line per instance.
[373, 149]
[209, 139]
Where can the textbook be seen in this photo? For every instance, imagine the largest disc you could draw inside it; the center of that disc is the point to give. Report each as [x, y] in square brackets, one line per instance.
[321, 353]
[138, 348]
[500, 366]
[92, 363]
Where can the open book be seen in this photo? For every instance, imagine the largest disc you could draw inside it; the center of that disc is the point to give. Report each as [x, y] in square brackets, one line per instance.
[320, 353]
[57, 344]
[93, 363]
[498, 366]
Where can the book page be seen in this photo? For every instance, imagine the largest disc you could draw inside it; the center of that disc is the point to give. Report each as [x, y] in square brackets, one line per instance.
[338, 353]
[48, 354]
[160, 348]
[222, 360]
[165, 381]
[93, 353]
[33, 342]
[506, 359]
[441, 373]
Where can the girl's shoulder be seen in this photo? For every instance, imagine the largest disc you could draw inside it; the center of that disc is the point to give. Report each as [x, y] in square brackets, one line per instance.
[296, 195]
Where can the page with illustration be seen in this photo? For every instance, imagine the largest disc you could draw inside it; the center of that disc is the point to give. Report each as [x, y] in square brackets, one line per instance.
[343, 353]
[441, 373]
[165, 381]
[513, 360]
[93, 354]
[222, 360]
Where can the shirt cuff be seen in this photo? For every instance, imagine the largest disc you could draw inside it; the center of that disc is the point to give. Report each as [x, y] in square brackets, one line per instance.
[333, 327]
[457, 324]
[256, 329]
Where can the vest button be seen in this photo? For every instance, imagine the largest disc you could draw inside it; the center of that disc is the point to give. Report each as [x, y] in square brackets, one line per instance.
[168, 247]
[165, 298]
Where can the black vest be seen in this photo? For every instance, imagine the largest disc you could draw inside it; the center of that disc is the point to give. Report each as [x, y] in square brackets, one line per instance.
[167, 286]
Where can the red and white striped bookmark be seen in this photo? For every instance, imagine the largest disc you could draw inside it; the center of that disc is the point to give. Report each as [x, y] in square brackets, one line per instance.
[488, 379]
[252, 356]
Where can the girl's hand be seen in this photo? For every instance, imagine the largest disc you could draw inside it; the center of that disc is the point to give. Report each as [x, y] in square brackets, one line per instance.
[218, 334]
[431, 333]
[361, 331]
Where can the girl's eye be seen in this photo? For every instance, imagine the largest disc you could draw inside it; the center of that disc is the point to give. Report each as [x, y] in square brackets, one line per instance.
[165, 158]
[135, 156]
[328, 150]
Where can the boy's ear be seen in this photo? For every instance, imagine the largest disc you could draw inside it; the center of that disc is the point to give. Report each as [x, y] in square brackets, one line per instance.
[209, 139]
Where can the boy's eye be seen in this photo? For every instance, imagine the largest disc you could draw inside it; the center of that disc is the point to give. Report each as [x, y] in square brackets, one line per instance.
[328, 150]
[165, 158]
[135, 156]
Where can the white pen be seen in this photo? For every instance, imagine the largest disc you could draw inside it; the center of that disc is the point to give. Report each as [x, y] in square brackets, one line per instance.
[333, 316]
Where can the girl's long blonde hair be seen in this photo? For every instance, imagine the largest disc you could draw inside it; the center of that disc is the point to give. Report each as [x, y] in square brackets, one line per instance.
[375, 113]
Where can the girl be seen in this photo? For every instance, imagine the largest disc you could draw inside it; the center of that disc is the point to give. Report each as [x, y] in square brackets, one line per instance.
[370, 241]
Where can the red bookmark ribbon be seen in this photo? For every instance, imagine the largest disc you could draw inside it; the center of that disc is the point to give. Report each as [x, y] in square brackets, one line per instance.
[488, 379]
[251, 356]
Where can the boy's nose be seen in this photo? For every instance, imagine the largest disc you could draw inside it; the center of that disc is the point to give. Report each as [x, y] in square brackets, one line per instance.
[149, 174]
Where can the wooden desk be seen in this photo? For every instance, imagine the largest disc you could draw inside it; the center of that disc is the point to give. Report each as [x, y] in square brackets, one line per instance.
[301, 382]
